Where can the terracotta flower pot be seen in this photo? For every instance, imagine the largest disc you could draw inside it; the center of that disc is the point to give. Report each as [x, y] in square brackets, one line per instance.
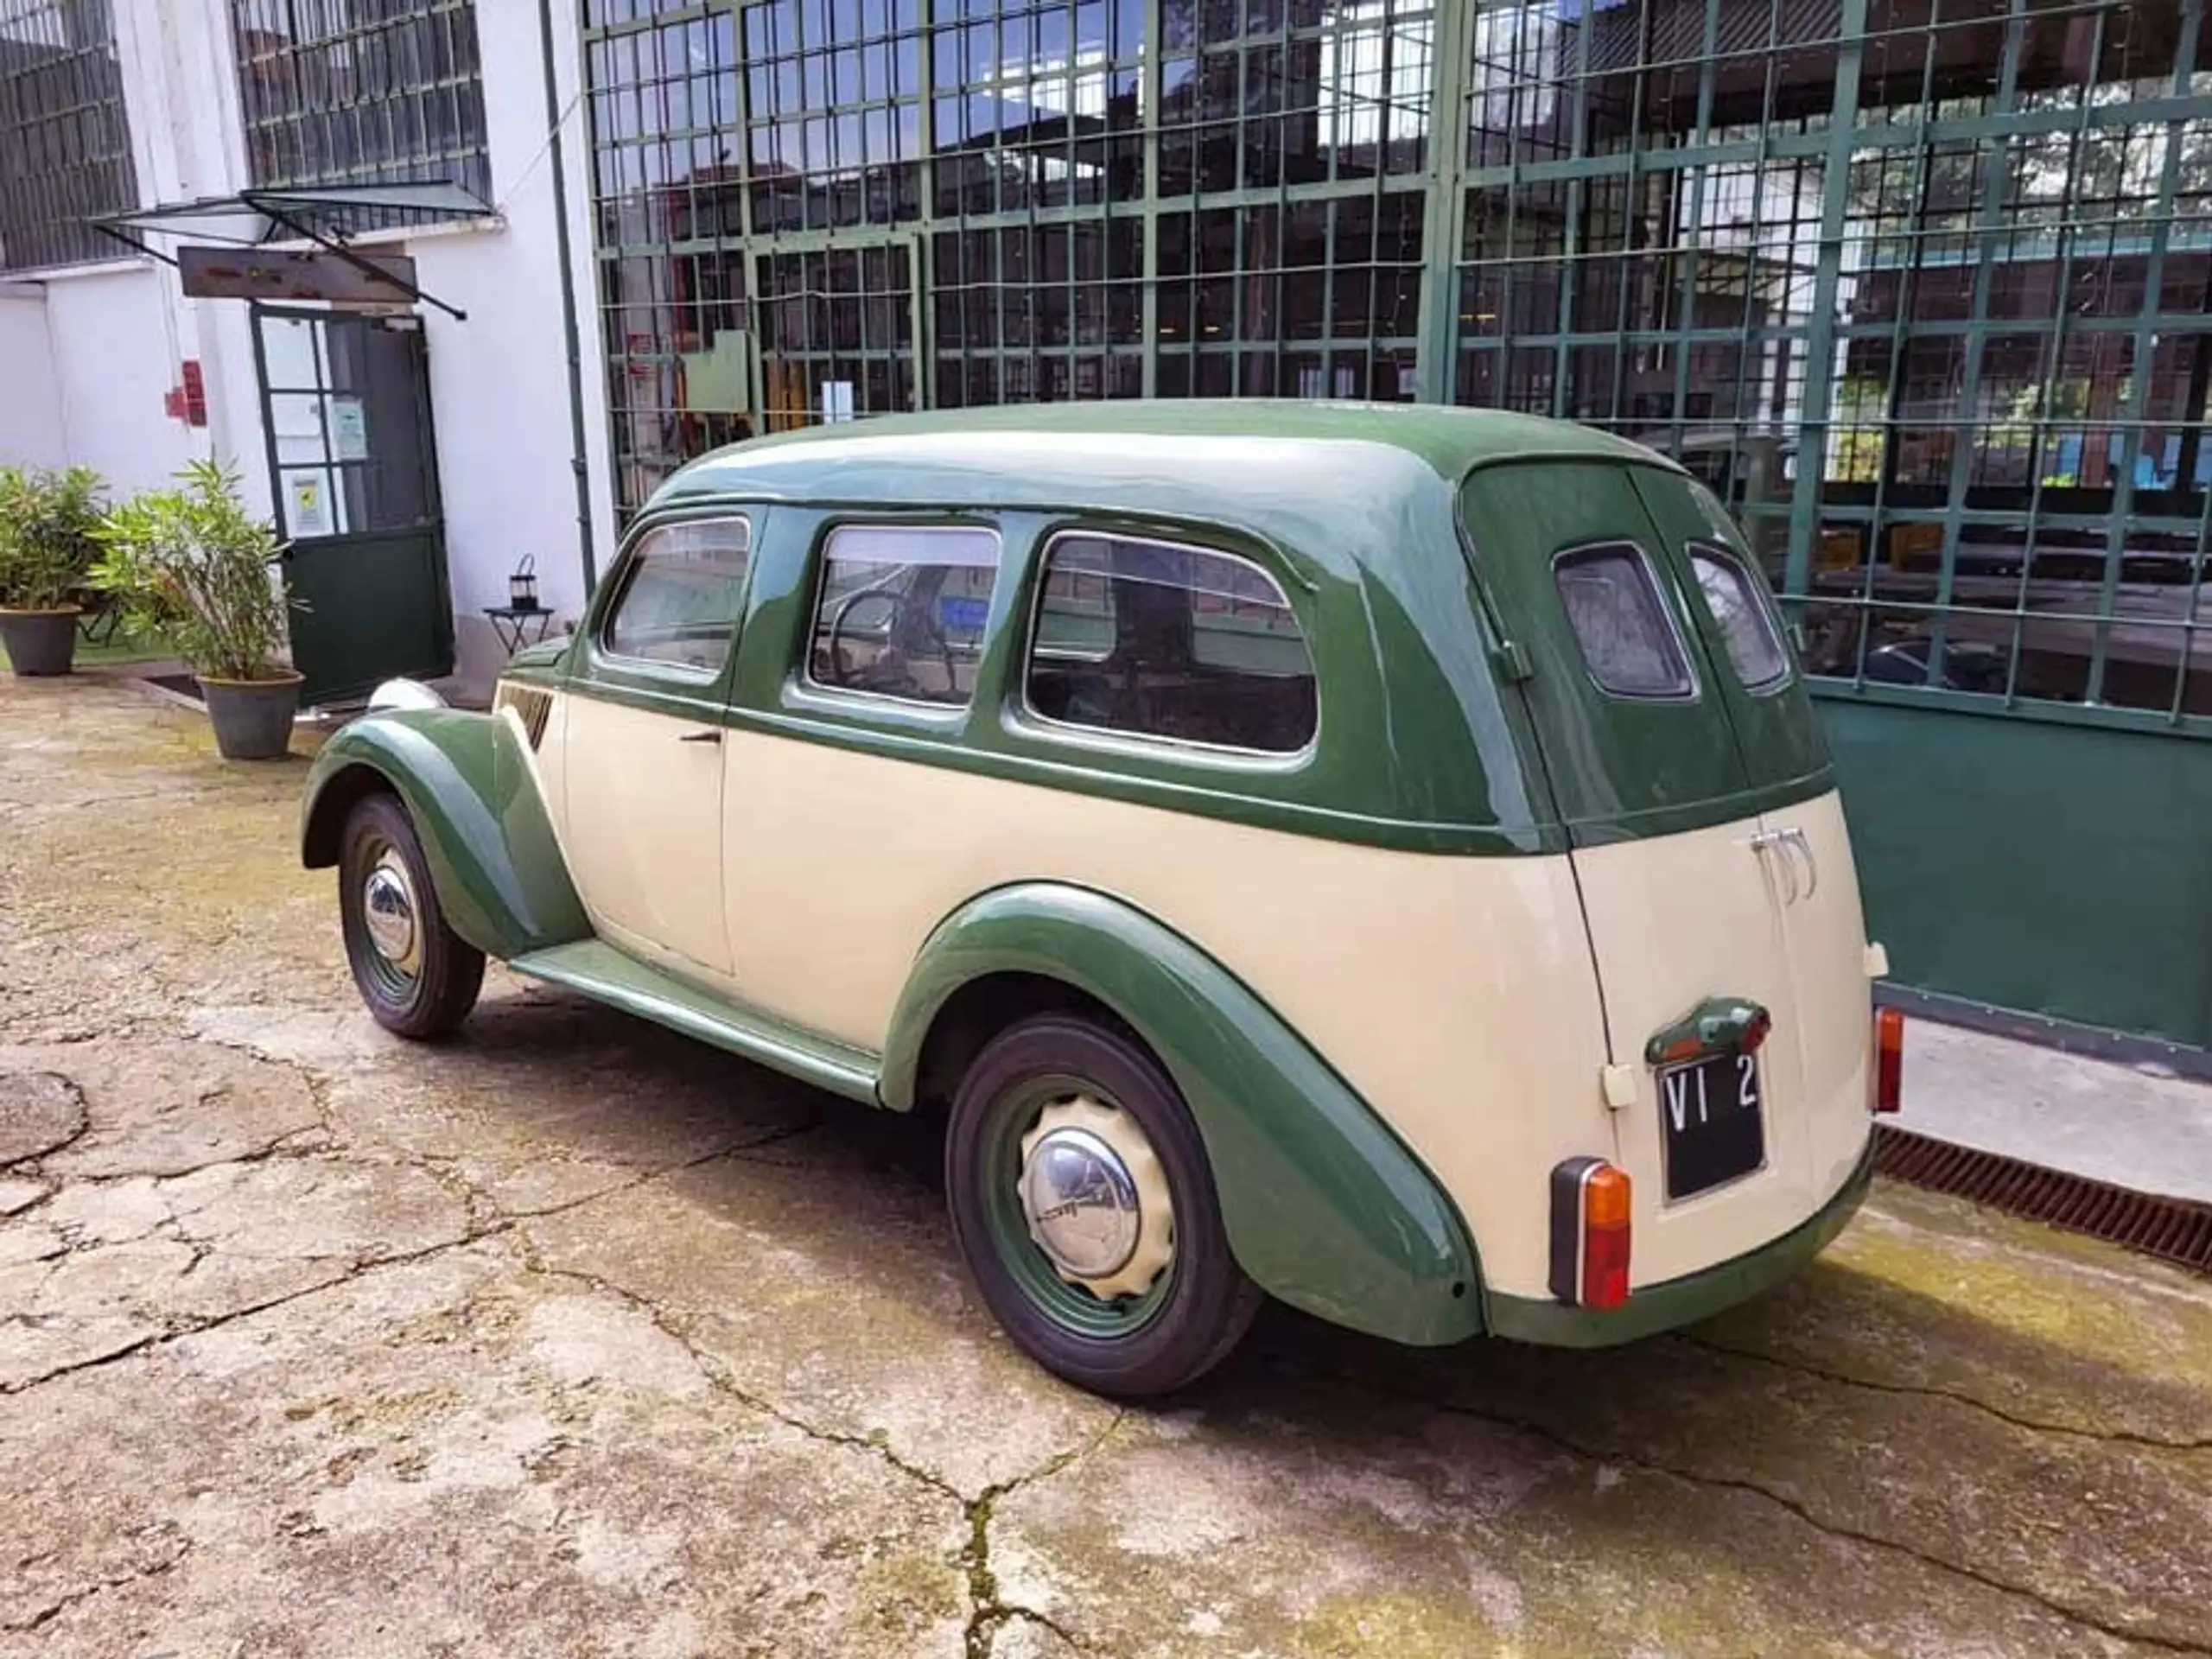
[41, 642]
[253, 718]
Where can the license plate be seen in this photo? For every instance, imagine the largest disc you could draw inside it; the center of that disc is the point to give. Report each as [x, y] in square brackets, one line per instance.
[1711, 1123]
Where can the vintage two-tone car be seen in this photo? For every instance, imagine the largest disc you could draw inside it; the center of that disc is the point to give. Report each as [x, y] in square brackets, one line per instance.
[1382, 859]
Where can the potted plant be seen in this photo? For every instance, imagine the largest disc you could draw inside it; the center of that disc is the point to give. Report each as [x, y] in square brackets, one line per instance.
[191, 564]
[47, 519]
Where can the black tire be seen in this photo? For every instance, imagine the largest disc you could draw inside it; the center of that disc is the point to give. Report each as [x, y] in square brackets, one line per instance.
[432, 999]
[1201, 1308]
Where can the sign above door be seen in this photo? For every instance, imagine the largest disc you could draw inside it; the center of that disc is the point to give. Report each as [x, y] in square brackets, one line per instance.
[276, 274]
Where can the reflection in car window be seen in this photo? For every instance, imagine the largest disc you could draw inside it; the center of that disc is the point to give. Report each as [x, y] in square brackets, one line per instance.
[902, 611]
[1747, 620]
[1166, 641]
[681, 601]
[1627, 637]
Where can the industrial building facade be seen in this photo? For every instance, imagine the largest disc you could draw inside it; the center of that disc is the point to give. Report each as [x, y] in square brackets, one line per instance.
[1923, 286]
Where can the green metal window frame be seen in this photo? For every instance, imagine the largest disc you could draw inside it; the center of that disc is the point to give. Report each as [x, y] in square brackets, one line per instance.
[333, 93]
[1924, 286]
[64, 134]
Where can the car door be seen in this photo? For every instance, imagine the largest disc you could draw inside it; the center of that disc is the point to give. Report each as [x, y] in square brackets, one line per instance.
[1683, 912]
[1779, 735]
[645, 741]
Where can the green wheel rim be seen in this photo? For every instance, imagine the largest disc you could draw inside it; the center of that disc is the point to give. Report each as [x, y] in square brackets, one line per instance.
[1071, 1307]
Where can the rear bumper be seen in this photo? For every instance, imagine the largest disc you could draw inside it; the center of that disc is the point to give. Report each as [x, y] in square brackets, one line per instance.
[1694, 1296]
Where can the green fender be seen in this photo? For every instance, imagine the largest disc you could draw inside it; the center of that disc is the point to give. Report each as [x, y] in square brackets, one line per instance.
[1325, 1208]
[497, 871]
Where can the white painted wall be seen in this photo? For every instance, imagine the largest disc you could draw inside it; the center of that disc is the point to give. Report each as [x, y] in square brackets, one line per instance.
[116, 360]
[30, 409]
[499, 381]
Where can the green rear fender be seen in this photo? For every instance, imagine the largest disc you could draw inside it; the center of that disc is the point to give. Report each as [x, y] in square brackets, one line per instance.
[499, 872]
[1326, 1209]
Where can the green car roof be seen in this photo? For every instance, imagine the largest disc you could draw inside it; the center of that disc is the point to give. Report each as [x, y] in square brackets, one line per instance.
[1252, 459]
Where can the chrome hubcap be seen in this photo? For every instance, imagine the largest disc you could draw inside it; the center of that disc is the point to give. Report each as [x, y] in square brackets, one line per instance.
[388, 913]
[1096, 1199]
[1081, 1203]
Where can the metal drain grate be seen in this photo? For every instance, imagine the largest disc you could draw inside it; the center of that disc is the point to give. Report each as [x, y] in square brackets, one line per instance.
[2173, 1229]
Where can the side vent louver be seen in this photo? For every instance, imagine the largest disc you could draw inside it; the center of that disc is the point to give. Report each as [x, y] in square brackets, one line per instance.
[531, 705]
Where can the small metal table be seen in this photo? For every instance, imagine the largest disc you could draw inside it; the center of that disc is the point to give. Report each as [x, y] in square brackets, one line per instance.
[512, 624]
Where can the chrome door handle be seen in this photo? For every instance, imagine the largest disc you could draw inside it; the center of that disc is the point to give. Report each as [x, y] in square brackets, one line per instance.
[1796, 838]
[1778, 841]
[700, 737]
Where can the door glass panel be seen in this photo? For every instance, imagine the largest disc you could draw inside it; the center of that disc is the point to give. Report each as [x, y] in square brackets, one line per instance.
[1747, 626]
[1160, 640]
[683, 597]
[902, 611]
[1628, 638]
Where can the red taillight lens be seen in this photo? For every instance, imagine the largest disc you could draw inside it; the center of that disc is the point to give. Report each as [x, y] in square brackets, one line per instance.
[1590, 1202]
[1888, 1059]
[1604, 1237]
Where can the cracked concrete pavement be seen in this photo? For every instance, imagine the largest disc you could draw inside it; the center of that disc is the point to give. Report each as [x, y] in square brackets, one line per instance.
[573, 1337]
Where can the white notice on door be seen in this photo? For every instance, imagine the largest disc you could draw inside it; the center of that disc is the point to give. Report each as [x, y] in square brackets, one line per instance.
[349, 430]
[306, 511]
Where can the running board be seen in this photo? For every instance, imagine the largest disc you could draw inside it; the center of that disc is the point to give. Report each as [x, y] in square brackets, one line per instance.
[607, 975]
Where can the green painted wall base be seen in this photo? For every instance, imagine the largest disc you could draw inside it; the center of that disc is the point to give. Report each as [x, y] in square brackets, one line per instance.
[2057, 869]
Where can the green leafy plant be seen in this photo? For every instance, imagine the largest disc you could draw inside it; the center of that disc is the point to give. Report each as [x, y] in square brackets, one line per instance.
[48, 516]
[192, 565]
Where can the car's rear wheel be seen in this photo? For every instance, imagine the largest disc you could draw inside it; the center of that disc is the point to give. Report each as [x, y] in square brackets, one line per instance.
[418, 976]
[1084, 1205]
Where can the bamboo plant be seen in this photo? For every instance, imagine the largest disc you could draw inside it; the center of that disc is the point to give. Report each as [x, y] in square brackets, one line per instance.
[190, 564]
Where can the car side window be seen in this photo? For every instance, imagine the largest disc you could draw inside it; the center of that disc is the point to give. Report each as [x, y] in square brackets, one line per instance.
[1157, 639]
[901, 611]
[681, 597]
[1629, 643]
[1748, 627]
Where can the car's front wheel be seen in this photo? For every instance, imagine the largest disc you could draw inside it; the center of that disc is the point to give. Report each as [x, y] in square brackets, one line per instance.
[1084, 1205]
[418, 976]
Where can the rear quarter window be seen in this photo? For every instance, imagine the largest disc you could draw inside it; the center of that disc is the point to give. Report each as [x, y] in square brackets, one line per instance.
[1158, 640]
[1627, 635]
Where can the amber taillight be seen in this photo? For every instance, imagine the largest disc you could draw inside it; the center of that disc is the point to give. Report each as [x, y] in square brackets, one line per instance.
[1591, 1204]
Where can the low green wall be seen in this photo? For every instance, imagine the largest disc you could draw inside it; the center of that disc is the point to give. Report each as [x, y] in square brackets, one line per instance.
[2056, 869]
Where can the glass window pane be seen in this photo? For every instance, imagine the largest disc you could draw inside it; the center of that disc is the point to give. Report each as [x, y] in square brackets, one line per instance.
[342, 95]
[1172, 642]
[684, 593]
[1628, 640]
[1746, 620]
[902, 611]
[65, 144]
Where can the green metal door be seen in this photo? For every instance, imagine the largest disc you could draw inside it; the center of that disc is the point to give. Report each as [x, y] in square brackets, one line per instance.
[345, 407]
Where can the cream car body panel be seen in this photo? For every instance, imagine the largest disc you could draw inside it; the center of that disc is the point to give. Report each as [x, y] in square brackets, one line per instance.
[644, 839]
[1829, 960]
[1677, 919]
[1453, 994]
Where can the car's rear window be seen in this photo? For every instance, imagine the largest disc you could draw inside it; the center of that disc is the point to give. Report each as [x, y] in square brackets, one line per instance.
[1746, 620]
[1628, 637]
